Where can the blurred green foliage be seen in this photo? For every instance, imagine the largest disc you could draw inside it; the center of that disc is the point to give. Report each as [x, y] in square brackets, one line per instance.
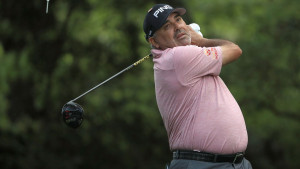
[48, 59]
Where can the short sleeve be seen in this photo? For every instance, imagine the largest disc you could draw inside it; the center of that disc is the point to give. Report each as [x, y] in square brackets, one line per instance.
[193, 62]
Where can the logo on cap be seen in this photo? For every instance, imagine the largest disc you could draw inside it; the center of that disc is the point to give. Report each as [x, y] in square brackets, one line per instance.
[161, 9]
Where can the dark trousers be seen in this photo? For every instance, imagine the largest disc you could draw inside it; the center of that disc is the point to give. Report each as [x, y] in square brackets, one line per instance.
[193, 164]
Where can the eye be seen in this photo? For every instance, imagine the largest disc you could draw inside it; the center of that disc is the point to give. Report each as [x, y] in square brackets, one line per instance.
[178, 19]
[166, 26]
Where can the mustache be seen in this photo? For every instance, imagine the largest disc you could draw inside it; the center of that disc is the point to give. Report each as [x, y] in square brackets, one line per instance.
[179, 31]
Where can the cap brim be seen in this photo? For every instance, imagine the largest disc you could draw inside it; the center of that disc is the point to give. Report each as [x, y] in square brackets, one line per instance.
[181, 11]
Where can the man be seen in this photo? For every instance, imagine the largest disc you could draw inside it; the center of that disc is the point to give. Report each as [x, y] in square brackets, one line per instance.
[204, 123]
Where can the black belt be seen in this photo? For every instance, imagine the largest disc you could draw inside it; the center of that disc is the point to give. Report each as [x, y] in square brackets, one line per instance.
[208, 157]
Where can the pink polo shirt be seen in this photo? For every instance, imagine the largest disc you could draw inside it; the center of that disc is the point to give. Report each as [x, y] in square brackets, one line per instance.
[198, 110]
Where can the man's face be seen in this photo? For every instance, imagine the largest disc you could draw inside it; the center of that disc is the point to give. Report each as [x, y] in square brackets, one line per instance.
[173, 33]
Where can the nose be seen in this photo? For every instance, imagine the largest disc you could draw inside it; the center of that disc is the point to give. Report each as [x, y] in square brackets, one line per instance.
[177, 26]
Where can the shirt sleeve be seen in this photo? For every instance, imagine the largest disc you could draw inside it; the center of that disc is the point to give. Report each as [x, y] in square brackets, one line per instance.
[193, 62]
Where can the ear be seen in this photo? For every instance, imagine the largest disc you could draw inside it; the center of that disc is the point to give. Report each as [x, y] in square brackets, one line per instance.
[153, 42]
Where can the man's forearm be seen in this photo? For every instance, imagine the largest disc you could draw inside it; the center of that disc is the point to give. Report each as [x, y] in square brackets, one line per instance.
[212, 42]
[230, 51]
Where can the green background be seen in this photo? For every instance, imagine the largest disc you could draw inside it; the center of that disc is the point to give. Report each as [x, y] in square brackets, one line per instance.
[48, 59]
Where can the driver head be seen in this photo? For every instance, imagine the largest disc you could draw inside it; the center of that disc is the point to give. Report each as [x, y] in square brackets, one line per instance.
[72, 114]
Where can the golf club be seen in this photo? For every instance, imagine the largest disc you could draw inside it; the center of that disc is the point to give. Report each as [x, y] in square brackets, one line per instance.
[73, 113]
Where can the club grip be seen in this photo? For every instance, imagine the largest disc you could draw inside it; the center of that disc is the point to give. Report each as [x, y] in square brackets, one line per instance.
[141, 60]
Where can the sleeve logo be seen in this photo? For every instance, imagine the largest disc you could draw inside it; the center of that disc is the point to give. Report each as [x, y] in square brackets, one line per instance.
[212, 52]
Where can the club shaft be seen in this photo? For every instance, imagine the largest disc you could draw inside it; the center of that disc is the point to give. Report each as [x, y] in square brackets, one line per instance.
[129, 67]
[47, 6]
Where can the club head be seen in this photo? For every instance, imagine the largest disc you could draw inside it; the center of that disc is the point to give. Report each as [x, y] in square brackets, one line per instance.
[72, 114]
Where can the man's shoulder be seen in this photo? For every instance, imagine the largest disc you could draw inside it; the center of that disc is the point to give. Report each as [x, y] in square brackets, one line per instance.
[185, 50]
[178, 50]
[185, 47]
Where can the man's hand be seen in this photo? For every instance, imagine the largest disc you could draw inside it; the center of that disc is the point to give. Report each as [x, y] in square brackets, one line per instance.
[196, 28]
[196, 37]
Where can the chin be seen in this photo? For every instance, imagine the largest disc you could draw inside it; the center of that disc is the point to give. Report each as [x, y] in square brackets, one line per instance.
[186, 42]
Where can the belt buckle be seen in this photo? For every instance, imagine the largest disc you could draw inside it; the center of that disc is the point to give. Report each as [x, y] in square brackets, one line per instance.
[236, 156]
[176, 154]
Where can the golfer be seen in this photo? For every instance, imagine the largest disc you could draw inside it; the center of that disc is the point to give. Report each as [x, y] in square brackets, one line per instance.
[204, 123]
